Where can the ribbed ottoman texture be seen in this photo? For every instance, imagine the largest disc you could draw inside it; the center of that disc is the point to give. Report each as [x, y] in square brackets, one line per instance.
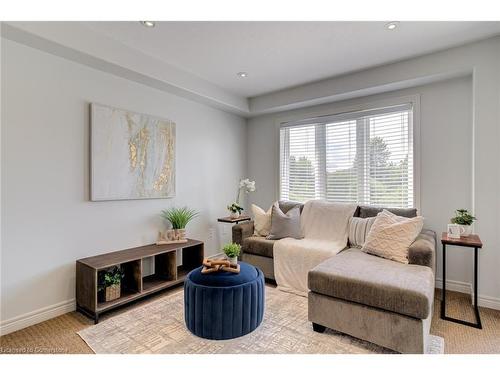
[221, 306]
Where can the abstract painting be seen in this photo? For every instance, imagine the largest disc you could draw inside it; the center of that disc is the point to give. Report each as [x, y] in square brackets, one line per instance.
[132, 155]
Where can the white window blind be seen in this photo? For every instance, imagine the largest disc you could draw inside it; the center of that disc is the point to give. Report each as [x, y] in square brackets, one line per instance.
[364, 157]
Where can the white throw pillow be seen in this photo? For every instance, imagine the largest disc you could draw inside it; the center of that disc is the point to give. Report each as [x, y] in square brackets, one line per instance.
[390, 236]
[261, 221]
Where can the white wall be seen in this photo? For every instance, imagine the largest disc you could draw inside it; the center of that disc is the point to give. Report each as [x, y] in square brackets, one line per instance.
[47, 219]
[445, 165]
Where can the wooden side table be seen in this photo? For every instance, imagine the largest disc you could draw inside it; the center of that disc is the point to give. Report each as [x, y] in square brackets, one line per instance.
[472, 241]
[231, 220]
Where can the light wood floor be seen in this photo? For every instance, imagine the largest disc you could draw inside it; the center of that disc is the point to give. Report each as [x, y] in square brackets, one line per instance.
[58, 335]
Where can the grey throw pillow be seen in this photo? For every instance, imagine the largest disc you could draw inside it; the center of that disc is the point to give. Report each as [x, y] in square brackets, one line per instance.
[285, 225]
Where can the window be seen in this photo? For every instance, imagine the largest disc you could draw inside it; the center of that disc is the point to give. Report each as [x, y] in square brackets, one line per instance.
[364, 157]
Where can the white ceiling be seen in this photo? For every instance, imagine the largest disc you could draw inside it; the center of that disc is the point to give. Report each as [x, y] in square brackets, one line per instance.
[278, 55]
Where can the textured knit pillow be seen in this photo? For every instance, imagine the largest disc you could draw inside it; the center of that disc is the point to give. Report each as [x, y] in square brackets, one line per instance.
[285, 225]
[261, 221]
[391, 236]
[358, 230]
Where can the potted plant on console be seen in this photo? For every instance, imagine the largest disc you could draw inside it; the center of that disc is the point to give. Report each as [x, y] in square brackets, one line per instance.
[179, 219]
[232, 251]
[465, 220]
[110, 284]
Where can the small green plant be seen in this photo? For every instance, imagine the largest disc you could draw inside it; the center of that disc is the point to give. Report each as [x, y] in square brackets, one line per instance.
[110, 277]
[232, 250]
[463, 217]
[235, 207]
[179, 217]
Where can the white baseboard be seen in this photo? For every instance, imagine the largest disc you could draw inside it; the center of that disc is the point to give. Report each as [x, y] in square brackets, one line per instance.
[466, 288]
[37, 316]
[455, 286]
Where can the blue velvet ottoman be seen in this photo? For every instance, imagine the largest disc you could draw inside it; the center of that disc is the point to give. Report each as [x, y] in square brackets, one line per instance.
[224, 305]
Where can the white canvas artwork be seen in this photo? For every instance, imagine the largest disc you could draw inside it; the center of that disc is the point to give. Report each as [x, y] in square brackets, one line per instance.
[132, 155]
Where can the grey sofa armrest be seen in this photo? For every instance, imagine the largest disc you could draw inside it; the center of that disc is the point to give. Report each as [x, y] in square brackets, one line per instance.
[423, 250]
[242, 231]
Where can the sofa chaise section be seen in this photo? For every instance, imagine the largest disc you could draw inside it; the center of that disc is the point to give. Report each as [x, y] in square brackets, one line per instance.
[374, 299]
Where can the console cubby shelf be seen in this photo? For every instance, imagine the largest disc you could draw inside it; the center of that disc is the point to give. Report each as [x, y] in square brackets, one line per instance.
[134, 285]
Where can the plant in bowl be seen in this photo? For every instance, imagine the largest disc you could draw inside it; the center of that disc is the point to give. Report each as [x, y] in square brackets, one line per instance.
[232, 251]
[109, 284]
[179, 219]
[464, 219]
[235, 210]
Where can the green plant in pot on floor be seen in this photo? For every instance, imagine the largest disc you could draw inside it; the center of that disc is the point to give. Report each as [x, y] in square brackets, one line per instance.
[465, 220]
[109, 285]
[232, 251]
[179, 219]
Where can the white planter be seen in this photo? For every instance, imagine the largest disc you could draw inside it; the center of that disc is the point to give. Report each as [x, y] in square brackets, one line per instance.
[233, 260]
[234, 215]
[465, 230]
[180, 234]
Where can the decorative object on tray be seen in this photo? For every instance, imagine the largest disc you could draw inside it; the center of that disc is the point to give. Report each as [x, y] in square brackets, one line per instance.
[178, 218]
[232, 251]
[132, 155]
[110, 284]
[464, 219]
[235, 208]
[219, 265]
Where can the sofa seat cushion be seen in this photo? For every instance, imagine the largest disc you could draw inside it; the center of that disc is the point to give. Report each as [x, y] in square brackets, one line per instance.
[355, 276]
[258, 246]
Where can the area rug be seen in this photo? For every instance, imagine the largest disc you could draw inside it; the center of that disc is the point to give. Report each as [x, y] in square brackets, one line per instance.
[158, 327]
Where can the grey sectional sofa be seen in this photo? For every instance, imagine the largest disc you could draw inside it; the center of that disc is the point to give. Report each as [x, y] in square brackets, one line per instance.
[371, 298]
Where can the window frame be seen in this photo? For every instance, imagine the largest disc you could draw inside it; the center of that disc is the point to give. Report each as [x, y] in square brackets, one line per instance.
[338, 109]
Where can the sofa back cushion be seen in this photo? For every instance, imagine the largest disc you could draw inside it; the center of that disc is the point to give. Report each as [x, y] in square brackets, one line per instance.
[371, 211]
[361, 211]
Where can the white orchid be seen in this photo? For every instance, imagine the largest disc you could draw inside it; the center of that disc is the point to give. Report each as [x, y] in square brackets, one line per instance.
[247, 186]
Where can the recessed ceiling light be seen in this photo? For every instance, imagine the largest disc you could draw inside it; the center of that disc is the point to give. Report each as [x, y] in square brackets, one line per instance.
[242, 74]
[148, 23]
[392, 25]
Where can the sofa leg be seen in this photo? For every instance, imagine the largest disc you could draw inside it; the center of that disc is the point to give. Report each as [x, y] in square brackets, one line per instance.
[318, 328]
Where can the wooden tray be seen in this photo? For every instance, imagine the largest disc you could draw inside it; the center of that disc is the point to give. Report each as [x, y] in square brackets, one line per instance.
[219, 265]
